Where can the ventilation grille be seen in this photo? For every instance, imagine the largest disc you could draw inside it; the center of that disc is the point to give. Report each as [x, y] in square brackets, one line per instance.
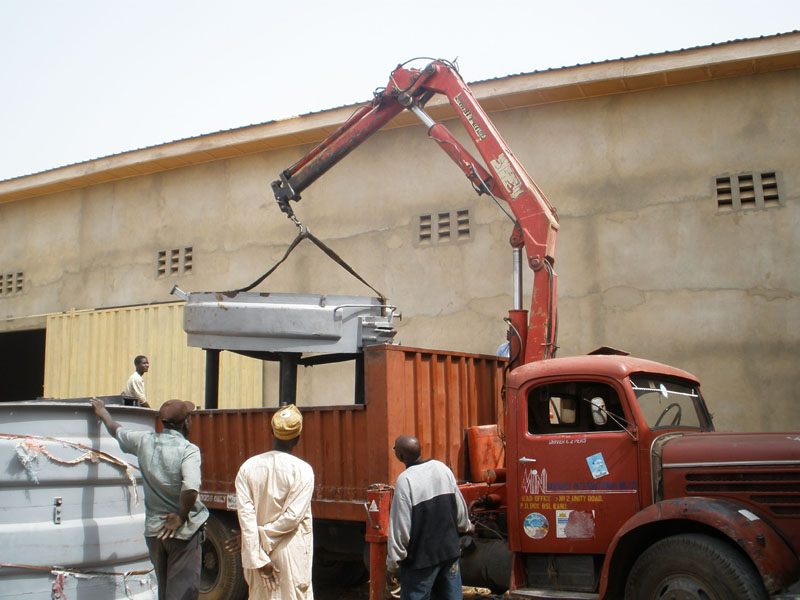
[747, 191]
[778, 492]
[443, 227]
[12, 283]
[178, 261]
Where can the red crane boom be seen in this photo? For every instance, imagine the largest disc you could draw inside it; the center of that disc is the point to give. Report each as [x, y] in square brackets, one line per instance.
[500, 176]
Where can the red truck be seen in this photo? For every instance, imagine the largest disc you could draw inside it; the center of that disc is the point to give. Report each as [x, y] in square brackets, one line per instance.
[596, 476]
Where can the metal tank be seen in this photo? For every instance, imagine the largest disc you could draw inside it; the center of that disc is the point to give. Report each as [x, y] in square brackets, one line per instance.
[275, 322]
[71, 503]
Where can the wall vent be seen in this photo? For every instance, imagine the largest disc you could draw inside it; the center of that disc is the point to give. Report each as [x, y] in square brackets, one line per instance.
[444, 227]
[177, 261]
[425, 229]
[12, 283]
[747, 191]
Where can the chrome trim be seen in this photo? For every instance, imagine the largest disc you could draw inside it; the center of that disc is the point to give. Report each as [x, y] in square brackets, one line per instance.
[638, 389]
[653, 482]
[517, 267]
[551, 594]
[740, 463]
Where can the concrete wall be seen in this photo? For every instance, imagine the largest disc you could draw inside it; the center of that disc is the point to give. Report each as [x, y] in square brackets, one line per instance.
[646, 262]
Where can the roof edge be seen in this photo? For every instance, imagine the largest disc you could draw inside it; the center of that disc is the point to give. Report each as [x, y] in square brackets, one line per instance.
[623, 75]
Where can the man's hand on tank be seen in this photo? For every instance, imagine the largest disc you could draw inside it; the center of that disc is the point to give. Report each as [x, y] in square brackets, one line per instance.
[98, 406]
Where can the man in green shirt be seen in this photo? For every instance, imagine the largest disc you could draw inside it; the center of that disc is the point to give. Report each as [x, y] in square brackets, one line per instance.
[170, 467]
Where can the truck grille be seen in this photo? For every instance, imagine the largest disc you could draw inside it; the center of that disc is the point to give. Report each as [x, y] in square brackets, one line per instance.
[778, 492]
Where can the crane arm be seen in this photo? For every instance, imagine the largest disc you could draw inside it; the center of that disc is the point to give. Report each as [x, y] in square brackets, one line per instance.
[501, 175]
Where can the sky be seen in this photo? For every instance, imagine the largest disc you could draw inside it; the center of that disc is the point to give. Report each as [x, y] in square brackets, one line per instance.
[83, 79]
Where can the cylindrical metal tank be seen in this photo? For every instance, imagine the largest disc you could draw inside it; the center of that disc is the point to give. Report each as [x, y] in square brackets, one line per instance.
[71, 504]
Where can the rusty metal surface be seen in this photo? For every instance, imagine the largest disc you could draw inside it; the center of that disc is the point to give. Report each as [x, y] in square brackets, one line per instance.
[728, 449]
[433, 395]
[776, 562]
[758, 471]
[614, 366]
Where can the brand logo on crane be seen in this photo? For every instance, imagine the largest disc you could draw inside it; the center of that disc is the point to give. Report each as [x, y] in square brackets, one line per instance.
[468, 114]
[502, 166]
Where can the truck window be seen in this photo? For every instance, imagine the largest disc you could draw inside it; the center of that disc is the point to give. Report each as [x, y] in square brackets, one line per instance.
[574, 407]
[666, 403]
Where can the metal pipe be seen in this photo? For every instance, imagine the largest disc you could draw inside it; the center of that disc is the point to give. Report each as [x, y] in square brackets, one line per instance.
[287, 386]
[517, 260]
[423, 116]
[212, 378]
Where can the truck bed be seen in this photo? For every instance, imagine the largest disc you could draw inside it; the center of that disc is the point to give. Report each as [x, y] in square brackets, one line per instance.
[431, 394]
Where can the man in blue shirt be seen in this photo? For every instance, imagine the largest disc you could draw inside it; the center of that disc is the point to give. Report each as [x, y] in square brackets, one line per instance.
[170, 467]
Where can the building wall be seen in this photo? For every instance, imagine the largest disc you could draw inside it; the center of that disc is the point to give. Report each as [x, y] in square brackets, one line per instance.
[646, 261]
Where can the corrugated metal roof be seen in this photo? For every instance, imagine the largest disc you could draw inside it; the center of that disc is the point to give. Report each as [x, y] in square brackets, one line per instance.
[613, 76]
[635, 56]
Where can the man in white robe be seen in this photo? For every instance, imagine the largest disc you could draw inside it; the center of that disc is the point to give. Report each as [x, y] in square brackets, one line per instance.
[273, 491]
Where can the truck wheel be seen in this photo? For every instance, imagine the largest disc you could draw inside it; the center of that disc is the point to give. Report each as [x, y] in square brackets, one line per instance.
[221, 576]
[693, 567]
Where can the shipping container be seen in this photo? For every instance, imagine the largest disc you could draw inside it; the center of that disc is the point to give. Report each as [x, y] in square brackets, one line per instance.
[91, 352]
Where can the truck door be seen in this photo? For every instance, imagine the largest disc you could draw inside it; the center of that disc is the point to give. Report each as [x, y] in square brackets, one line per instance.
[576, 468]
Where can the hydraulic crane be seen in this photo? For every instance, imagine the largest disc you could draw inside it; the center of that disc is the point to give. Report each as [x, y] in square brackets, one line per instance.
[501, 176]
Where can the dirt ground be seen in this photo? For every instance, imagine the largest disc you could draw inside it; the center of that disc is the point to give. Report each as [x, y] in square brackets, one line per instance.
[328, 592]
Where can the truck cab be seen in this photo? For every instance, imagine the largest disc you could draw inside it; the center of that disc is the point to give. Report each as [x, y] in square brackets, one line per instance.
[609, 456]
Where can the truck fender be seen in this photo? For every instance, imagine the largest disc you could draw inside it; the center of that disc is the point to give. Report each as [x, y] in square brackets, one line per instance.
[772, 556]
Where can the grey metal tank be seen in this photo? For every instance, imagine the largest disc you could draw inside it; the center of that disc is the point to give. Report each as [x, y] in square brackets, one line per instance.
[71, 503]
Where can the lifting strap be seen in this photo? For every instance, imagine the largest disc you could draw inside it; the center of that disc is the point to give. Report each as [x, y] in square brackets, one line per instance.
[305, 234]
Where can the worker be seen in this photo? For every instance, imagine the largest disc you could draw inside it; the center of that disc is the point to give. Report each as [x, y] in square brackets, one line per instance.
[273, 492]
[428, 513]
[174, 517]
[134, 388]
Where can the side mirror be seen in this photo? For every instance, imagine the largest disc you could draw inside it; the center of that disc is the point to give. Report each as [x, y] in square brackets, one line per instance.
[599, 415]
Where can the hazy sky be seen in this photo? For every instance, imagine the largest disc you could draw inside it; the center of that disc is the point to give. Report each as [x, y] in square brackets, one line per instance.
[81, 79]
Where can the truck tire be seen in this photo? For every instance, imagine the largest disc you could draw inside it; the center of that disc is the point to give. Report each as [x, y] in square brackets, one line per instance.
[693, 567]
[221, 576]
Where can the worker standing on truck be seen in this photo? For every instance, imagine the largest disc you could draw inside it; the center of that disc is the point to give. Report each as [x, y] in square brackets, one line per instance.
[273, 492]
[134, 388]
[174, 517]
[427, 514]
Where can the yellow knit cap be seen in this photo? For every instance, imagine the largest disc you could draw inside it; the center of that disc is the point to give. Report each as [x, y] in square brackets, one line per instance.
[287, 423]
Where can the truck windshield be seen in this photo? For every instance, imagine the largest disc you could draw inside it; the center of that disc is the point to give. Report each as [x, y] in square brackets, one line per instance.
[667, 404]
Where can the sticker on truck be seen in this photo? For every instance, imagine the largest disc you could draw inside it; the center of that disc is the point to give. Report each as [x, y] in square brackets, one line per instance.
[597, 465]
[536, 526]
[575, 524]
